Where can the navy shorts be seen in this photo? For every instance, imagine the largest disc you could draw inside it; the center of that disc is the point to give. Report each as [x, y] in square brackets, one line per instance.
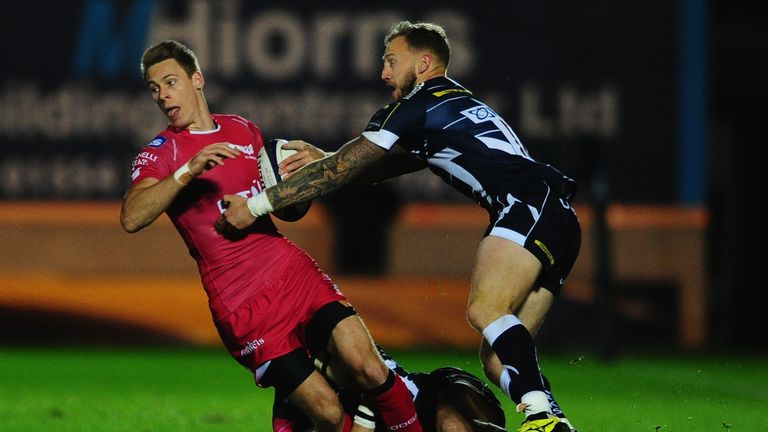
[543, 222]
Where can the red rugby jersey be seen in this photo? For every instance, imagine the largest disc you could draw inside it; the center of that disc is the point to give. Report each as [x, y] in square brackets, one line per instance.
[230, 270]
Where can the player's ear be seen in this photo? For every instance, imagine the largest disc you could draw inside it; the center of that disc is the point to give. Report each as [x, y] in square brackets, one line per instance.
[198, 80]
[424, 63]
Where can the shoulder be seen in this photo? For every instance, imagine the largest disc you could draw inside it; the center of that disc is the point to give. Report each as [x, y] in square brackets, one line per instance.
[428, 94]
[160, 142]
[234, 120]
[230, 119]
[442, 87]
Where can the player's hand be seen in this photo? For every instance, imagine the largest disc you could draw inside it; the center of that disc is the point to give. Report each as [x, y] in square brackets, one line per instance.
[211, 156]
[236, 216]
[305, 153]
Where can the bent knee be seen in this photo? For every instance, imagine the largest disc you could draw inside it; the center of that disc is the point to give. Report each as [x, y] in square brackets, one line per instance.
[327, 415]
[480, 314]
[369, 372]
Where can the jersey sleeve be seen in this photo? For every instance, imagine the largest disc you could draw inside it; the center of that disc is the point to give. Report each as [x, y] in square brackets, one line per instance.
[393, 122]
[151, 161]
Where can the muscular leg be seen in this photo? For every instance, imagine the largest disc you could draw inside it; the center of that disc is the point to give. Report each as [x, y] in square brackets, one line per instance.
[531, 314]
[319, 401]
[352, 344]
[294, 376]
[502, 283]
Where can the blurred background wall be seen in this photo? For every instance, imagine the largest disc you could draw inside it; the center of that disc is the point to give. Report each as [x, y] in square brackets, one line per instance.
[644, 103]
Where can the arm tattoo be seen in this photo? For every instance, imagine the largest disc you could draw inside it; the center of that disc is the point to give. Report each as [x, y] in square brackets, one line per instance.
[327, 174]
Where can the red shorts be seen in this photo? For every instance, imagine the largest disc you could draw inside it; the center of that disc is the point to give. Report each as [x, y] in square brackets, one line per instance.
[271, 322]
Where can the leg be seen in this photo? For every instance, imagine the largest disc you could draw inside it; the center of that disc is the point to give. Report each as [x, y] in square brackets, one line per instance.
[352, 345]
[502, 282]
[531, 314]
[335, 329]
[293, 376]
[319, 401]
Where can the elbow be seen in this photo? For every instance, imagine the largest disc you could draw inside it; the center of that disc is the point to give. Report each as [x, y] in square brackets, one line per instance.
[130, 225]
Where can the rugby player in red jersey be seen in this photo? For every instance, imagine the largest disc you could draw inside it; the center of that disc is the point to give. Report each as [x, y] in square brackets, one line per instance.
[263, 290]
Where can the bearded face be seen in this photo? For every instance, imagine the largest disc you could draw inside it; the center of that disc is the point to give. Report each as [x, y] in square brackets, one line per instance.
[405, 86]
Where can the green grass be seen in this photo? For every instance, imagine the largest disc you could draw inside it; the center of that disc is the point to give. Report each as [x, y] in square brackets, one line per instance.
[205, 390]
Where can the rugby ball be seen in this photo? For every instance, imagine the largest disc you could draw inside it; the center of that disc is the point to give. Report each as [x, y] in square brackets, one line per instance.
[269, 159]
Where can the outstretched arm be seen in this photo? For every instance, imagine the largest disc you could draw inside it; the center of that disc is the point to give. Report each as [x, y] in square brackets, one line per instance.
[313, 180]
[397, 162]
[327, 174]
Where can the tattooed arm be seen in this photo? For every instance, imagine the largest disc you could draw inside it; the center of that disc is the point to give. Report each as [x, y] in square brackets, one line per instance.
[313, 180]
[327, 174]
[397, 162]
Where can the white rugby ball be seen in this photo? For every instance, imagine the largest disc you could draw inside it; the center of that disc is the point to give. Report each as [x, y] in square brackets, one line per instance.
[270, 157]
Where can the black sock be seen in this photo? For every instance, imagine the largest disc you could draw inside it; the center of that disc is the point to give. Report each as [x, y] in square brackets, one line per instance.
[517, 352]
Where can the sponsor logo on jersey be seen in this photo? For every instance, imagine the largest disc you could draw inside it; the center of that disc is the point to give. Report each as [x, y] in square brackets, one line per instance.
[449, 91]
[404, 424]
[135, 173]
[148, 156]
[143, 158]
[546, 251]
[254, 190]
[157, 142]
[251, 346]
[243, 149]
[479, 114]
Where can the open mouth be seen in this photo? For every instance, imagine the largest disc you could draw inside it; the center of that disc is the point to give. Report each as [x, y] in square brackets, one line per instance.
[172, 112]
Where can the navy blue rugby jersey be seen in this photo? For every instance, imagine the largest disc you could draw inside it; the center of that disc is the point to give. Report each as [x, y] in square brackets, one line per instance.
[463, 141]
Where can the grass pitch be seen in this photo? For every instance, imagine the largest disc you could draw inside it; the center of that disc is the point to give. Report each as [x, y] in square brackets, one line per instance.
[205, 390]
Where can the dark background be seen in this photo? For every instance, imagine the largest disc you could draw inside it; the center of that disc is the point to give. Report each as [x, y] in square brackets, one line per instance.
[739, 38]
[587, 48]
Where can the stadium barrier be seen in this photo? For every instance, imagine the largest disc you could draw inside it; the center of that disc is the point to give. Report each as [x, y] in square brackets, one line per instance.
[73, 257]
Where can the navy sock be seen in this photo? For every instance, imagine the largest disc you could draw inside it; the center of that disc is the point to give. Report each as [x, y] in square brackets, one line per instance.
[514, 346]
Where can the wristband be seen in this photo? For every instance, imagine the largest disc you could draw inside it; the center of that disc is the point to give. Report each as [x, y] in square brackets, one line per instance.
[259, 205]
[364, 417]
[182, 175]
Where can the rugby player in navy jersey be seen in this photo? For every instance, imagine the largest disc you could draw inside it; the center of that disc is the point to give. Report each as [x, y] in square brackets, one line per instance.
[533, 237]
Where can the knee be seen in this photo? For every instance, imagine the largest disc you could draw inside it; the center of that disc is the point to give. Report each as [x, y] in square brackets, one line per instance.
[327, 415]
[474, 316]
[480, 314]
[368, 370]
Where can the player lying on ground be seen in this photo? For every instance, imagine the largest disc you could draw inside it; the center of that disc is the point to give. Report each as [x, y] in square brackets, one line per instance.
[447, 399]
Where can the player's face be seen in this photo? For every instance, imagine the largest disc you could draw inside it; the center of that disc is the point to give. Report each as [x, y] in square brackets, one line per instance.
[175, 92]
[399, 71]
